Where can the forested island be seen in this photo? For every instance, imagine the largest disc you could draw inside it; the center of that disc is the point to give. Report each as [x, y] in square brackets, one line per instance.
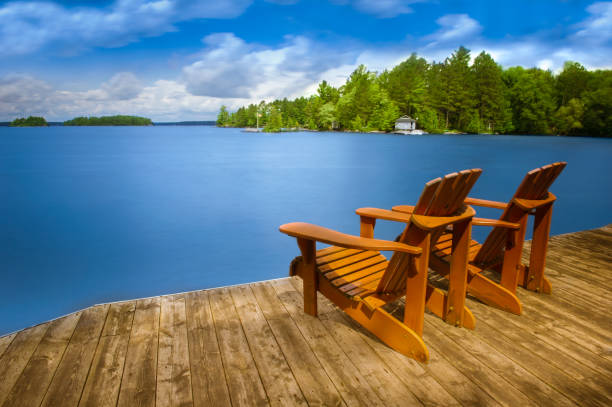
[31, 121]
[118, 120]
[453, 95]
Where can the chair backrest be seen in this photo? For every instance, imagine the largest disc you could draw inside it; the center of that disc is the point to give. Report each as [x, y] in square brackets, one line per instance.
[440, 197]
[534, 187]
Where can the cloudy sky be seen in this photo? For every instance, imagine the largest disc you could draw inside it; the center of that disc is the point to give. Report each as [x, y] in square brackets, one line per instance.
[174, 60]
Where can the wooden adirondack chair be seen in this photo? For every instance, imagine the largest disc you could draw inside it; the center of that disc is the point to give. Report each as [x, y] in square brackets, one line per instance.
[358, 279]
[502, 249]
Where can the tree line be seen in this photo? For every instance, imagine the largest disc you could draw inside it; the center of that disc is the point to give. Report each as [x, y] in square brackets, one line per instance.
[29, 122]
[454, 95]
[119, 120]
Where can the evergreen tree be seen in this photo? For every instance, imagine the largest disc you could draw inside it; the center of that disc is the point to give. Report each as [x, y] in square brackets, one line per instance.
[436, 97]
[490, 102]
[406, 84]
[275, 120]
[459, 90]
[355, 98]
[327, 93]
[571, 82]
[223, 118]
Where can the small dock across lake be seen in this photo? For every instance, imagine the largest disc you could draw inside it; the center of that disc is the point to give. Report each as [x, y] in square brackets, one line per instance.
[253, 345]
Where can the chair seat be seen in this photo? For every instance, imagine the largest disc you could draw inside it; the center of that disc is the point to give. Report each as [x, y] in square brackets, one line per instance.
[354, 272]
[443, 247]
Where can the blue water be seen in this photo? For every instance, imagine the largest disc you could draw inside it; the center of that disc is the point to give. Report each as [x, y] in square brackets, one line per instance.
[91, 215]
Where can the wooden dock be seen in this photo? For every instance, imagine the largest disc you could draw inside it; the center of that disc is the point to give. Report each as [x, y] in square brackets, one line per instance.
[252, 345]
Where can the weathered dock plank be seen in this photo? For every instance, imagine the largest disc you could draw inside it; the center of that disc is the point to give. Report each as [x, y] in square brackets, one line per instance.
[317, 387]
[173, 371]
[5, 341]
[138, 384]
[352, 386]
[30, 387]
[67, 384]
[208, 379]
[277, 378]
[245, 384]
[253, 345]
[17, 355]
[104, 378]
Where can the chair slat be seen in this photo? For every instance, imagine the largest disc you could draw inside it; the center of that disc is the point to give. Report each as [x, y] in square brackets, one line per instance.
[527, 184]
[332, 273]
[363, 283]
[439, 204]
[328, 258]
[348, 278]
[345, 261]
[465, 188]
[426, 196]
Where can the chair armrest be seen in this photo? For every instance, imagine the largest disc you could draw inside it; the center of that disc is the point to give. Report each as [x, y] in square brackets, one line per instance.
[403, 208]
[385, 214]
[434, 222]
[485, 203]
[320, 234]
[529, 204]
[495, 222]
[422, 221]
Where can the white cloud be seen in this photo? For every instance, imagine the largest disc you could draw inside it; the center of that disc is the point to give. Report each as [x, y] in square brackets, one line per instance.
[22, 94]
[381, 8]
[28, 26]
[123, 86]
[230, 67]
[598, 27]
[454, 29]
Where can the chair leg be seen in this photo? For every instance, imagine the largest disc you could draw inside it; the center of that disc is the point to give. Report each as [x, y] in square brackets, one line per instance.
[458, 273]
[416, 284]
[510, 272]
[436, 302]
[309, 275]
[537, 261]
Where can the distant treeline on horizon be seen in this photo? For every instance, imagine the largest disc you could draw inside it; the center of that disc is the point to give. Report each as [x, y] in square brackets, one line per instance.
[481, 97]
[120, 120]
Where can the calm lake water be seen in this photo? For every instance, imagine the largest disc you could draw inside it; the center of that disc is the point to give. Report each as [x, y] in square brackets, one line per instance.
[98, 214]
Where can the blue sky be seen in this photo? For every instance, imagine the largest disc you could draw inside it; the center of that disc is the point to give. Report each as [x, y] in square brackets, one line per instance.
[181, 60]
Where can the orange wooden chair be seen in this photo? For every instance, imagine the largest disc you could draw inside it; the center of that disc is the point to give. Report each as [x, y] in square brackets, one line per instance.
[501, 251]
[358, 279]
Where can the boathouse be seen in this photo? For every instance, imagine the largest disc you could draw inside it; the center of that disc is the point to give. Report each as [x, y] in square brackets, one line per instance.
[405, 123]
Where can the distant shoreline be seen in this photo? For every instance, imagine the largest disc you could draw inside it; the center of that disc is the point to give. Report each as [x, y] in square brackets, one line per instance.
[397, 133]
[184, 123]
[213, 124]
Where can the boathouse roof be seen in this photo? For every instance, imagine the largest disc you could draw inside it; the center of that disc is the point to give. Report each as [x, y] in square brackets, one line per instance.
[405, 119]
